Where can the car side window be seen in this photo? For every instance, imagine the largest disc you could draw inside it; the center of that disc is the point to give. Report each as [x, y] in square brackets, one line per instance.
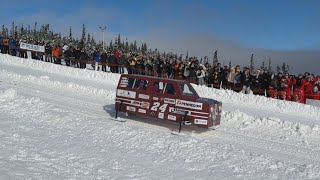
[158, 87]
[170, 89]
[131, 82]
[141, 84]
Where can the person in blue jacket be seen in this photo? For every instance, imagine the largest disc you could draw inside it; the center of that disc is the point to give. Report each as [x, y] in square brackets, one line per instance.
[12, 46]
[97, 59]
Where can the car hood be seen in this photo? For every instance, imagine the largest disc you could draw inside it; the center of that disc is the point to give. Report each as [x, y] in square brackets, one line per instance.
[208, 101]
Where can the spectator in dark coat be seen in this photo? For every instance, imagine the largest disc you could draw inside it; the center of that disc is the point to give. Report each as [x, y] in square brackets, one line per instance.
[104, 57]
[246, 80]
[83, 59]
[112, 61]
[121, 61]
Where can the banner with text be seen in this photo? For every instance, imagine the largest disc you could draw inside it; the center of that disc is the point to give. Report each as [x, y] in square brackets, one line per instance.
[313, 102]
[32, 47]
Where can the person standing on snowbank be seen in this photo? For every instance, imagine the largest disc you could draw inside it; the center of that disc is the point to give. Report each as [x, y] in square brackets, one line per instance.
[97, 59]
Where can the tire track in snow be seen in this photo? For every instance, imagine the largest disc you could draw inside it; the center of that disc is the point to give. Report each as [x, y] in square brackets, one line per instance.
[96, 110]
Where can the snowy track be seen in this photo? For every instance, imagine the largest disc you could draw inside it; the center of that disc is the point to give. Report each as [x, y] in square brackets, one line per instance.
[88, 106]
[48, 123]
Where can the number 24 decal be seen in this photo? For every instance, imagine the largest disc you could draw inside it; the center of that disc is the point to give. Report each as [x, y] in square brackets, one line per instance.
[156, 106]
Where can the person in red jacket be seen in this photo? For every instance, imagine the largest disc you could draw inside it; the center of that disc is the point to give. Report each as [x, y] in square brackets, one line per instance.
[285, 88]
[298, 94]
[315, 95]
[308, 87]
[317, 82]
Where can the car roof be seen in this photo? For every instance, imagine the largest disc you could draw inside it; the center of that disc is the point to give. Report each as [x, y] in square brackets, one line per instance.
[155, 78]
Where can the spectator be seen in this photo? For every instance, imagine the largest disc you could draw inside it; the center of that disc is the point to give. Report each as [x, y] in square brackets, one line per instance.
[246, 80]
[200, 75]
[55, 53]
[231, 77]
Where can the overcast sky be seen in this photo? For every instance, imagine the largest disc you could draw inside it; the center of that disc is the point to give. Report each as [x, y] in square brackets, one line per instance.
[283, 30]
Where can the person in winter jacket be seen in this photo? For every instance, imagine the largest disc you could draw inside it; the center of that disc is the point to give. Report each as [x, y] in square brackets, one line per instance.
[200, 76]
[55, 53]
[315, 93]
[308, 87]
[97, 59]
[83, 59]
[246, 81]
[121, 61]
[231, 77]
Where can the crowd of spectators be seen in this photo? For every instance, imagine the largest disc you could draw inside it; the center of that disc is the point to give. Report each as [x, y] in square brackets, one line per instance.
[279, 85]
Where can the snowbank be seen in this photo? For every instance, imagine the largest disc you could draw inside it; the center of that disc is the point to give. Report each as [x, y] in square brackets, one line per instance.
[59, 69]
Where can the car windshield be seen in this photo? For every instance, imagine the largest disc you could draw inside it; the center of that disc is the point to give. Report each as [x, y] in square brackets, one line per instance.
[187, 90]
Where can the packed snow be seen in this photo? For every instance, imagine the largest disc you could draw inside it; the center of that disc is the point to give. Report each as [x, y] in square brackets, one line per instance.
[55, 123]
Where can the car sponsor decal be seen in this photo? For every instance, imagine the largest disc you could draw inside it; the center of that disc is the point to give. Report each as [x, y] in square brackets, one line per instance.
[130, 108]
[152, 113]
[172, 118]
[189, 104]
[161, 115]
[169, 101]
[144, 96]
[201, 121]
[135, 103]
[155, 98]
[125, 93]
[142, 111]
[145, 105]
[178, 111]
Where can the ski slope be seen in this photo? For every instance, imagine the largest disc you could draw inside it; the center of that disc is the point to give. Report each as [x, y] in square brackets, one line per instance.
[55, 124]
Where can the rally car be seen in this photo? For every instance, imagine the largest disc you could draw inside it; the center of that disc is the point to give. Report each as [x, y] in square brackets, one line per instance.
[165, 99]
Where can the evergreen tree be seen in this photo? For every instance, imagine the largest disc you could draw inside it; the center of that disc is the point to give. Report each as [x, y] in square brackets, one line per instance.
[70, 33]
[22, 30]
[269, 66]
[111, 45]
[92, 40]
[284, 68]
[12, 29]
[135, 45]
[144, 48]
[88, 38]
[229, 64]
[3, 30]
[29, 30]
[83, 37]
[35, 28]
[263, 65]
[6, 31]
[288, 68]
[119, 40]
[127, 45]
[251, 63]
[16, 33]
[215, 58]
[278, 69]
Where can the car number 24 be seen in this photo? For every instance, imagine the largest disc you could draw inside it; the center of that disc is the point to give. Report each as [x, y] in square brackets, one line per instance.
[156, 106]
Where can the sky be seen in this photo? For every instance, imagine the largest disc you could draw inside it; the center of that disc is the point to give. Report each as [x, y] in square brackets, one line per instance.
[284, 30]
